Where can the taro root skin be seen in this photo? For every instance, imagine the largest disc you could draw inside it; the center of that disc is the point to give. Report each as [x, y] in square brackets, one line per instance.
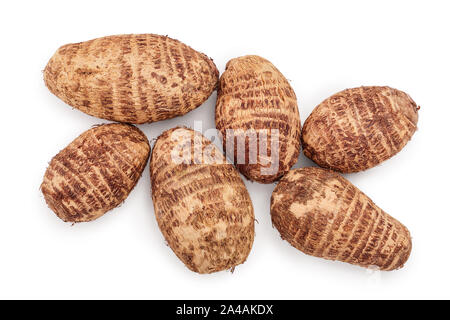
[131, 78]
[96, 172]
[203, 209]
[322, 214]
[254, 95]
[357, 129]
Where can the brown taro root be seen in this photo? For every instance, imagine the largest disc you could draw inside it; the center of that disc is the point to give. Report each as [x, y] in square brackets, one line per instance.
[357, 129]
[322, 214]
[131, 78]
[255, 101]
[96, 172]
[202, 206]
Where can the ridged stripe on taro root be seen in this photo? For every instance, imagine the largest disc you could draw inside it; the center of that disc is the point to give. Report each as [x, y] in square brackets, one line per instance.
[253, 94]
[359, 128]
[96, 172]
[322, 214]
[350, 221]
[378, 128]
[327, 236]
[131, 78]
[368, 235]
[363, 140]
[203, 210]
[85, 182]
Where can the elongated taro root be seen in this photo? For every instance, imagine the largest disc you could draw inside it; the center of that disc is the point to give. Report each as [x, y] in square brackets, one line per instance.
[96, 172]
[201, 204]
[356, 129]
[322, 214]
[131, 78]
[257, 115]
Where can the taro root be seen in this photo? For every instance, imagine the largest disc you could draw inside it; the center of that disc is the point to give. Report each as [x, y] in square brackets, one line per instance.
[96, 172]
[201, 204]
[357, 129]
[322, 214]
[258, 118]
[131, 78]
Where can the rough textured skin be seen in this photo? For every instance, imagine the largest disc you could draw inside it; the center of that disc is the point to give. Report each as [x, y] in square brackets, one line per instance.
[203, 210]
[324, 215]
[356, 129]
[131, 78]
[96, 172]
[253, 94]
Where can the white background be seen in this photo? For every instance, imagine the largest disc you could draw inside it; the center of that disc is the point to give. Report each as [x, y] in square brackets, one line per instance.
[322, 47]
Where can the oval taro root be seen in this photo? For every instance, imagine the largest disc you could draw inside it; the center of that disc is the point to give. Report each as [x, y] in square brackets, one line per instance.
[322, 214]
[201, 204]
[96, 172]
[258, 118]
[131, 78]
[357, 129]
